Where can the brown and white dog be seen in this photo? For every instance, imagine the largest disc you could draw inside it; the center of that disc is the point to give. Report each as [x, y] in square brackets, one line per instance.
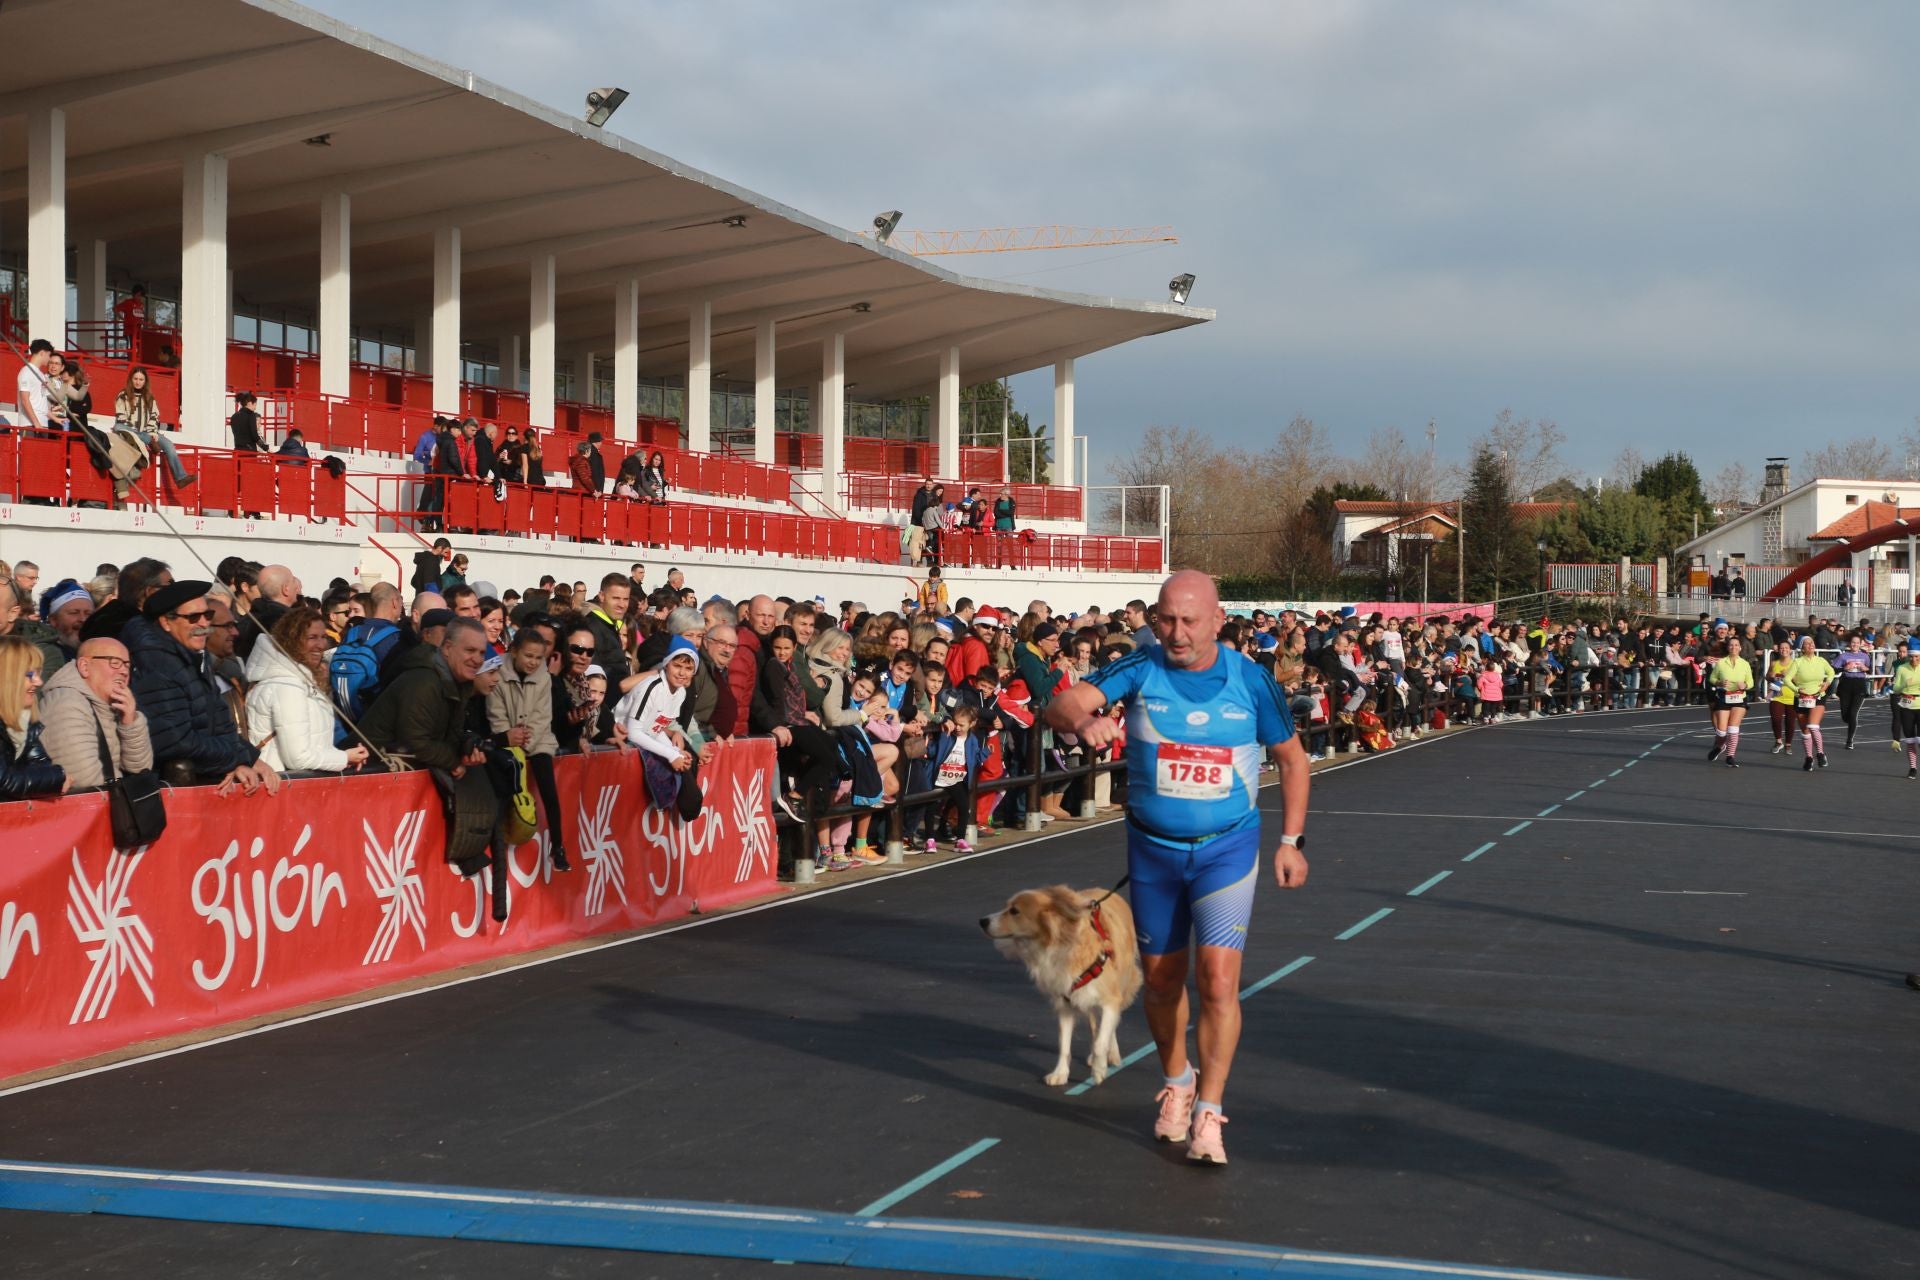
[1083, 957]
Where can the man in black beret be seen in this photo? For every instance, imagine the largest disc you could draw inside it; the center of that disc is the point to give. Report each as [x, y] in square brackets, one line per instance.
[195, 741]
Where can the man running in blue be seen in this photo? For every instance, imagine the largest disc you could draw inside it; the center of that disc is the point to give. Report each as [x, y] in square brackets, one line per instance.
[1198, 718]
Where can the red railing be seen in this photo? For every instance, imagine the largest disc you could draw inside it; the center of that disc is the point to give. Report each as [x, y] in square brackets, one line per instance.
[58, 467]
[915, 458]
[107, 376]
[1031, 501]
[1028, 550]
[335, 422]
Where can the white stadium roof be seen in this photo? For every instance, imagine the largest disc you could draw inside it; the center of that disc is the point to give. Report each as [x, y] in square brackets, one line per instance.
[419, 144]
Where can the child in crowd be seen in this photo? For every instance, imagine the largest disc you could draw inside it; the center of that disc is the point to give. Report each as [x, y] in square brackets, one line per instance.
[951, 767]
[1492, 691]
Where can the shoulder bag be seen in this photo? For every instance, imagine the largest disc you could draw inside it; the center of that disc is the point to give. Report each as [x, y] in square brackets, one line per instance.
[134, 801]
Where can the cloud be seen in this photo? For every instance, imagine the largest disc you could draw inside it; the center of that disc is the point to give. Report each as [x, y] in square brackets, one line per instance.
[1627, 213]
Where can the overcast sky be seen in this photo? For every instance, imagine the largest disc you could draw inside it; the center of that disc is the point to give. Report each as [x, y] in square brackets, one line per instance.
[1660, 224]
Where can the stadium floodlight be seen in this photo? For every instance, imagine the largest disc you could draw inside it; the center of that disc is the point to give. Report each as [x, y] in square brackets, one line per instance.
[602, 103]
[1179, 287]
[884, 224]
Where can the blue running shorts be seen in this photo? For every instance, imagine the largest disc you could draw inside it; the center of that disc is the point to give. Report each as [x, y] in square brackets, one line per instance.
[1204, 890]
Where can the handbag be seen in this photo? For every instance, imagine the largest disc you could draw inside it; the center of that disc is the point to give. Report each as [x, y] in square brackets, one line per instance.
[135, 804]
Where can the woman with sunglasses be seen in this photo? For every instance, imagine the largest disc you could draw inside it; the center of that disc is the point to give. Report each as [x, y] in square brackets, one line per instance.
[510, 463]
[25, 768]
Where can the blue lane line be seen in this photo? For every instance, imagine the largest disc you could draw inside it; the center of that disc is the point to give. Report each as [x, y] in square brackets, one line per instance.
[1125, 1062]
[926, 1179]
[1544, 812]
[1482, 849]
[1514, 831]
[1370, 921]
[678, 1227]
[1414, 893]
[1291, 966]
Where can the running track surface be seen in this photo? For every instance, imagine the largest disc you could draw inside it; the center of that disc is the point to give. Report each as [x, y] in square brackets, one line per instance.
[1577, 1002]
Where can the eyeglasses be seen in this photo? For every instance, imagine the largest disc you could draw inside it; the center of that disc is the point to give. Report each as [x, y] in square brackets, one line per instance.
[580, 648]
[116, 663]
[199, 615]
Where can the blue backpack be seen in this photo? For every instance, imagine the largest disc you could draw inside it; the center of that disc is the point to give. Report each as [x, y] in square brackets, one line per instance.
[354, 671]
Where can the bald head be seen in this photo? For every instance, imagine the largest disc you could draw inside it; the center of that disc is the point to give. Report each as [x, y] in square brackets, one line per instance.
[1188, 618]
[277, 583]
[760, 615]
[103, 665]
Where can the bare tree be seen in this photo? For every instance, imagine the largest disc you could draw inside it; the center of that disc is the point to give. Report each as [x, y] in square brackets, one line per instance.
[1627, 468]
[1528, 449]
[1910, 451]
[1861, 459]
[1731, 488]
[1398, 467]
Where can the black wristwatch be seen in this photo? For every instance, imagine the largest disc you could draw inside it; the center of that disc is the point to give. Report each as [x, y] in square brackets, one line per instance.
[1298, 842]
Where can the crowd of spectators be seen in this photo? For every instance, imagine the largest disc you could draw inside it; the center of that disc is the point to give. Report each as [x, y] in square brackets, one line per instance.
[889, 724]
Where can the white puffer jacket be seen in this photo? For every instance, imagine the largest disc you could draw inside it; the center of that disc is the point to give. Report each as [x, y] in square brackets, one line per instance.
[284, 703]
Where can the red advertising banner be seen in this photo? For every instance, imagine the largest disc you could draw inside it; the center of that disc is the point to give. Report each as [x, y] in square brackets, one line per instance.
[250, 904]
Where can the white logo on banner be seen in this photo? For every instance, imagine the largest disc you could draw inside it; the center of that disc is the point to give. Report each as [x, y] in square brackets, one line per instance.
[220, 898]
[681, 842]
[396, 882]
[606, 864]
[13, 932]
[752, 815]
[100, 915]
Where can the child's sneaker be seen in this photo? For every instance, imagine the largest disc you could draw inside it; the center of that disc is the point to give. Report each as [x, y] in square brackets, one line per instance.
[932, 846]
[833, 860]
[866, 853]
[961, 846]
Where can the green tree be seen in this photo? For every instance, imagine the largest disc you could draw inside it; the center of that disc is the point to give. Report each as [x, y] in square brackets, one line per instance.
[1620, 522]
[1500, 558]
[1320, 501]
[1674, 479]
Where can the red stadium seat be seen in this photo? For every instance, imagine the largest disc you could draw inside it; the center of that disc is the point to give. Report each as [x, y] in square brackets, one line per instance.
[544, 520]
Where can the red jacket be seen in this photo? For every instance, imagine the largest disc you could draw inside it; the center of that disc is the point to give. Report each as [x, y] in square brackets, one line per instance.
[743, 674]
[469, 465]
[964, 658]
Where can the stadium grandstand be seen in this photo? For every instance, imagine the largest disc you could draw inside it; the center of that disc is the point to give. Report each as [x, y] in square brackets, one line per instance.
[256, 199]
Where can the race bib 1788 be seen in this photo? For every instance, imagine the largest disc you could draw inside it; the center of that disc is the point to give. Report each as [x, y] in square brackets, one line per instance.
[1185, 772]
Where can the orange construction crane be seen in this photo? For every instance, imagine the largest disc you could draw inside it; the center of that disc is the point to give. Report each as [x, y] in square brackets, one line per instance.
[927, 244]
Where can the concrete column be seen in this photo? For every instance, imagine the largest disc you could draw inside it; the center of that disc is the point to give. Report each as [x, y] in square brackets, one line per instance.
[336, 294]
[626, 361]
[1065, 454]
[512, 360]
[700, 378]
[830, 415]
[446, 320]
[764, 392]
[90, 282]
[540, 340]
[947, 415]
[47, 225]
[204, 319]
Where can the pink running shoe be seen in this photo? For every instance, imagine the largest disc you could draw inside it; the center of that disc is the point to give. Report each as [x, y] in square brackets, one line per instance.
[1205, 1146]
[1176, 1112]
[933, 846]
[961, 846]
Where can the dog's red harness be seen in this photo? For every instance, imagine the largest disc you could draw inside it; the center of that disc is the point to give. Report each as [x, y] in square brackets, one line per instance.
[1099, 966]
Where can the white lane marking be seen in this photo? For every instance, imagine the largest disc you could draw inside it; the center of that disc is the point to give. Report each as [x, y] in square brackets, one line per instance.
[1698, 893]
[1619, 822]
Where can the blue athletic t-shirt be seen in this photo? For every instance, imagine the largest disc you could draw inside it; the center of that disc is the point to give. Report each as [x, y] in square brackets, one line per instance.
[1195, 738]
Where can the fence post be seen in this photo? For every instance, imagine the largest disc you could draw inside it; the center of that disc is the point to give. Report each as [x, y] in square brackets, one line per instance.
[1034, 758]
[803, 864]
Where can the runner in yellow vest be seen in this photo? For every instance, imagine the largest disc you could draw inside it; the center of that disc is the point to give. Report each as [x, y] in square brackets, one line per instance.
[1906, 705]
[1730, 681]
[1807, 679]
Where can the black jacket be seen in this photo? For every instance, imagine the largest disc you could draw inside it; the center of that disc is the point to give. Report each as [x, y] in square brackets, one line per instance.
[246, 431]
[187, 719]
[422, 714]
[483, 454]
[446, 454]
[426, 571]
[28, 772]
[597, 464]
[612, 657]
